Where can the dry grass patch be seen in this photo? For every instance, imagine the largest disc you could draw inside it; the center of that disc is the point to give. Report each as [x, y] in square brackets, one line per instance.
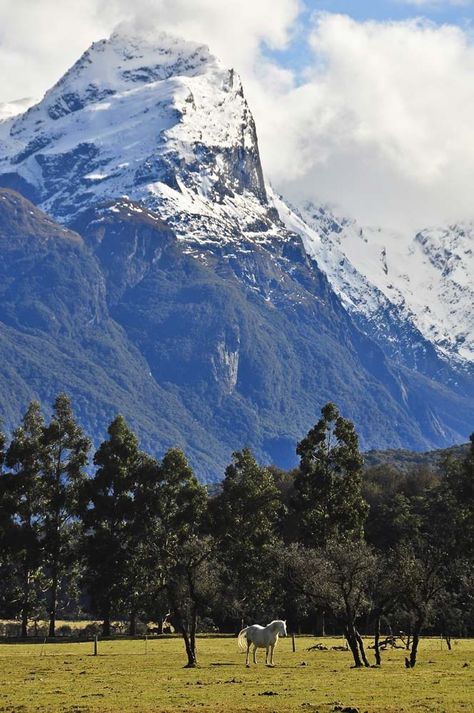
[124, 678]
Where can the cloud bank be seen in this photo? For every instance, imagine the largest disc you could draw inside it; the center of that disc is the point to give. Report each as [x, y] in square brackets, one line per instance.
[386, 122]
[380, 122]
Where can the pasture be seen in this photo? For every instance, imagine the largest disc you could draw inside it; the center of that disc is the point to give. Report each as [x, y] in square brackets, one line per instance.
[131, 676]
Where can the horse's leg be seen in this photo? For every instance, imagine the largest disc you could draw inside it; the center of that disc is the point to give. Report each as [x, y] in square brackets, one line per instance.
[266, 655]
[272, 647]
[247, 662]
[255, 653]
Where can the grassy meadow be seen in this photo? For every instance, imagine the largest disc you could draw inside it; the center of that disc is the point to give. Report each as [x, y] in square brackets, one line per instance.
[133, 676]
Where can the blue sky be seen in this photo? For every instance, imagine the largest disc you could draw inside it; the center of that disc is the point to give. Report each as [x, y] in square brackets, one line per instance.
[442, 11]
[452, 12]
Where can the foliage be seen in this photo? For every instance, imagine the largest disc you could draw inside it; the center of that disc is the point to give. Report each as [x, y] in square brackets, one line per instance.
[245, 518]
[24, 498]
[64, 455]
[328, 486]
[143, 540]
[108, 516]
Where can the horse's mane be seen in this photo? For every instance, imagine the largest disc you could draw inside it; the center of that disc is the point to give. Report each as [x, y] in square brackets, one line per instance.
[276, 621]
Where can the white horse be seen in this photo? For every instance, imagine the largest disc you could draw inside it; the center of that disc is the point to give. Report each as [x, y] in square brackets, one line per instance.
[262, 637]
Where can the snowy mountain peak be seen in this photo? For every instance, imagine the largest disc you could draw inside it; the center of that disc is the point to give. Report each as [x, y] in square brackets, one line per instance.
[124, 61]
[147, 116]
[160, 121]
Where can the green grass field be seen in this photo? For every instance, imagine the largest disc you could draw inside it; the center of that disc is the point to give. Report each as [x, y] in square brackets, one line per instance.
[126, 678]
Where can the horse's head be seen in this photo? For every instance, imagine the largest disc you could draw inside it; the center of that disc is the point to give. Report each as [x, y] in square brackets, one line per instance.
[282, 628]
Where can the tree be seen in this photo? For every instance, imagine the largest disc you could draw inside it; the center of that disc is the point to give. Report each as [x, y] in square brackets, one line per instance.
[246, 514]
[177, 505]
[423, 575]
[328, 499]
[26, 505]
[64, 456]
[457, 494]
[108, 515]
[192, 583]
[7, 568]
[336, 578]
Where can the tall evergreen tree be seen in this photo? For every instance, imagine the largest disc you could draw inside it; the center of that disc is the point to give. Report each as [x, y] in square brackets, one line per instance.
[5, 540]
[182, 552]
[64, 457]
[26, 504]
[108, 518]
[328, 497]
[457, 492]
[246, 516]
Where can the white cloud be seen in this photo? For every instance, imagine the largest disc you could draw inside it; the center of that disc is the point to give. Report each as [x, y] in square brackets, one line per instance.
[386, 128]
[382, 123]
[40, 39]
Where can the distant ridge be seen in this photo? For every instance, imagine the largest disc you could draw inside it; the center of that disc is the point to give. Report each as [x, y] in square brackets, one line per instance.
[406, 460]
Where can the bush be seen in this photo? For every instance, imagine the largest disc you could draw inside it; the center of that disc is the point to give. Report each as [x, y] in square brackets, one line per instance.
[206, 626]
[90, 630]
[65, 630]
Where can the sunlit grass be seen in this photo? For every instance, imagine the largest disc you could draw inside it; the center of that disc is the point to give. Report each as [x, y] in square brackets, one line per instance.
[149, 676]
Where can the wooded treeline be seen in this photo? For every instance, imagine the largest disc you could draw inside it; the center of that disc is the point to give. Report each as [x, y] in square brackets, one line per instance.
[121, 535]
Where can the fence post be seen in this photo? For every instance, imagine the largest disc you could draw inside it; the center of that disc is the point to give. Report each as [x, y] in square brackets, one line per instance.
[293, 643]
[95, 645]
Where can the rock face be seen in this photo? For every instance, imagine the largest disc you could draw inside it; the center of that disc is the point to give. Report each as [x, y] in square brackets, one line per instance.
[413, 292]
[157, 120]
[182, 298]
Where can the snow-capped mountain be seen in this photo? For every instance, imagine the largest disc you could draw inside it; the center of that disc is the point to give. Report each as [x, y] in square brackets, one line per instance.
[159, 121]
[425, 279]
[239, 315]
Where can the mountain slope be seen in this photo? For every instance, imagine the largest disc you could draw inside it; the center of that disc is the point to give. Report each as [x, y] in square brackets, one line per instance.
[158, 121]
[56, 334]
[222, 330]
[423, 280]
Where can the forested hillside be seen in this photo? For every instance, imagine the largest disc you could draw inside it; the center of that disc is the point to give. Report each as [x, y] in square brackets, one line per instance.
[331, 545]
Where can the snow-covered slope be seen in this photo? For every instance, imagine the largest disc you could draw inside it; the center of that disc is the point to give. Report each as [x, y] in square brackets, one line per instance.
[13, 108]
[154, 131]
[426, 279]
[158, 120]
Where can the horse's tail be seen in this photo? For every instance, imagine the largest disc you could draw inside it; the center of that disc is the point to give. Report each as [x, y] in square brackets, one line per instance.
[241, 639]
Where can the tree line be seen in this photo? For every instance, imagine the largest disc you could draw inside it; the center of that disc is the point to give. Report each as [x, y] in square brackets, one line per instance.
[122, 535]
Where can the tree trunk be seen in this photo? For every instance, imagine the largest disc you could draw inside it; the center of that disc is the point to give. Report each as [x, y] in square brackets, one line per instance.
[106, 621]
[361, 648]
[189, 650]
[193, 632]
[378, 659]
[447, 638]
[24, 621]
[416, 641]
[188, 636]
[53, 605]
[25, 604]
[132, 629]
[352, 641]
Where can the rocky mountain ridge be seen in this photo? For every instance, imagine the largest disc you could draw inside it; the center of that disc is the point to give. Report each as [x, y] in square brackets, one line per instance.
[220, 312]
[423, 279]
